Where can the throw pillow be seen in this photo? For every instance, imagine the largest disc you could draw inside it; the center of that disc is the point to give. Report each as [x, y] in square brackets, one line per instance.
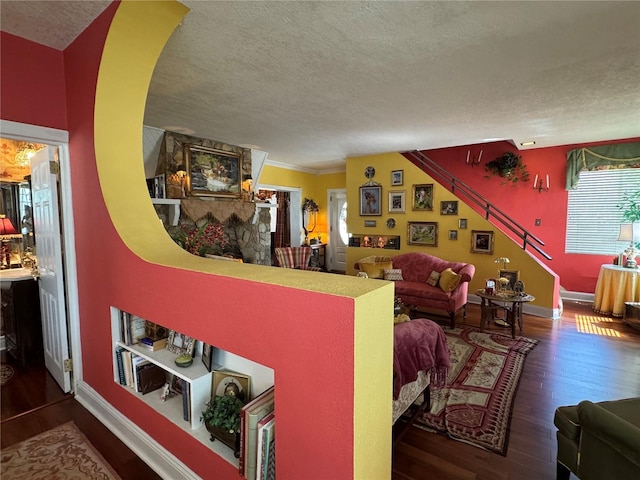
[433, 278]
[393, 274]
[449, 280]
[375, 270]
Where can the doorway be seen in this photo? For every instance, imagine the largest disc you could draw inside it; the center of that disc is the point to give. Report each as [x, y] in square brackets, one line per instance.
[57, 140]
[338, 234]
[295, 214]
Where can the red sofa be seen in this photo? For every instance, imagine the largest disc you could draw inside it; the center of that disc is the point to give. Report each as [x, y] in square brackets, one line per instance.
[416, 292]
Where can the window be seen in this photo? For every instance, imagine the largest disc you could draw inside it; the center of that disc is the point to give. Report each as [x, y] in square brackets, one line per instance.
[593, 218]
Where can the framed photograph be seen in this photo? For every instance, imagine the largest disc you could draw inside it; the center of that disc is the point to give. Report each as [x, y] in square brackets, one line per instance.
[449, 207]
[396, 201]
[512, 275]
[482, 241]
[180, 344]
[369, 223]
[422, 197]
[226, 379]
[213, 172]
[397, 178]
[207, 356]
[422, 233]
[462, 224]
[370, 200]
[453, 234]
[176, 385]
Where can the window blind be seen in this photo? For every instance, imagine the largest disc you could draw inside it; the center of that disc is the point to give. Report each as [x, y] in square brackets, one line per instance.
[593, 218]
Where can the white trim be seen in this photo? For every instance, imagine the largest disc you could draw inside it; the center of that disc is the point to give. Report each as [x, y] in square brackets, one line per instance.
[23, 131]
[578, 296]
[298, 168]
[295, 214]
[161, 460]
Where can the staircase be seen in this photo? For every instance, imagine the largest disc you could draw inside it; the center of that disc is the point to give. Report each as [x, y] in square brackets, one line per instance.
[491, 212]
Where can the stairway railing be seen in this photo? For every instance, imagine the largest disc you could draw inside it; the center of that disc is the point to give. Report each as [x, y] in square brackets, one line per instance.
[490, 210]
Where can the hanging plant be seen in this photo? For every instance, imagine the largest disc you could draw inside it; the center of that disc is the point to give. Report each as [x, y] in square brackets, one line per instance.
[631, 206]
[509, 166]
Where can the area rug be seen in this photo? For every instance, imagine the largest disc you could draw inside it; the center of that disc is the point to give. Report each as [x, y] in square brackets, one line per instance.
[60, 453]
[6, 373]
[475, 406]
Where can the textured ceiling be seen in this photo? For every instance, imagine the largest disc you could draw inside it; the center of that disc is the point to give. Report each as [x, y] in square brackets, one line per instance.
[313, 83]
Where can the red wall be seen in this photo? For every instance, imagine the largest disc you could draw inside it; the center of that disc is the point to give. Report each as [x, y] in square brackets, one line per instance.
[29, 67]
[578, 273]
[309, 344]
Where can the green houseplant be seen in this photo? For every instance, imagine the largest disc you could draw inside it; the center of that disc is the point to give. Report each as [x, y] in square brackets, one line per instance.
[508, 166]
[223, 411]
[630, 207]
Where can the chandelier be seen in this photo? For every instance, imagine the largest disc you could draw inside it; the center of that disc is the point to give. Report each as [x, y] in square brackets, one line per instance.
[24, 154]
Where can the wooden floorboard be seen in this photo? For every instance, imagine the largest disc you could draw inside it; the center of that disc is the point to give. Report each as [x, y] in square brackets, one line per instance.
[566, 366]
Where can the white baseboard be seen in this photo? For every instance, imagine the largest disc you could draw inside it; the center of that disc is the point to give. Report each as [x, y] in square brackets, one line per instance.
[162, 461]
[578, 296]
[536, 311]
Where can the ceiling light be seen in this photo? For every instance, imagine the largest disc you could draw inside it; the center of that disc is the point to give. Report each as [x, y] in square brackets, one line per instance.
[24, 154]
[527, 144]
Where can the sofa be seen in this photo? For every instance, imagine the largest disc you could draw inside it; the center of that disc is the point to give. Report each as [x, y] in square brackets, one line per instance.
[448, 281]
[599, 441]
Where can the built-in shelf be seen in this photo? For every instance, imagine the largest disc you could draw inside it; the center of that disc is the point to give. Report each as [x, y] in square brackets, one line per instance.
[174, 208]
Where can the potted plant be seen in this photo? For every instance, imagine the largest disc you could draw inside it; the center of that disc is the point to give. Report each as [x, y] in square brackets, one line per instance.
[630, 207]
[508, 166]
[221, 418]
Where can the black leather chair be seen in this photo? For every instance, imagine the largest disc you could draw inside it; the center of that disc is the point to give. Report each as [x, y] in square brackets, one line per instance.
[599, 441]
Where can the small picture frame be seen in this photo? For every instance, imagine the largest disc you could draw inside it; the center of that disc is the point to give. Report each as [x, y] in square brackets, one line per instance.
[422, 233]
[512, 275]
[397, 201]
[482, 241]
[180, 344]
[370, 200]
[222, 380]
[207, 355]
[422, 197]
[449, 207]
[462, 224]
[453, 235]
[397, 178]
[176, 385]
[369, 223]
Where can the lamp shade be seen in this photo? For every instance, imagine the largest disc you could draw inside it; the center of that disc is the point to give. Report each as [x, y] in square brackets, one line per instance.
[6, 227]
[629, 232]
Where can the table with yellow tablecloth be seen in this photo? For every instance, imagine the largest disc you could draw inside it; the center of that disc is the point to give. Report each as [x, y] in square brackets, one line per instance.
[615, 286]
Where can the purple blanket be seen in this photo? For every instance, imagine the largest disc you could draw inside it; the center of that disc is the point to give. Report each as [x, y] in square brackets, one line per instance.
[418, 345]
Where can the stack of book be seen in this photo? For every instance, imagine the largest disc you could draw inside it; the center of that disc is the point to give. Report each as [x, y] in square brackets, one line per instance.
[138, 373]
[257, 438]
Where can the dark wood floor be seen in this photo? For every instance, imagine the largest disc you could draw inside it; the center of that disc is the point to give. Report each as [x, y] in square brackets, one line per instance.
[581, 356]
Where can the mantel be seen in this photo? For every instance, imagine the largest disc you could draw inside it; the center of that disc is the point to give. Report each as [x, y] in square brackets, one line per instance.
[222, 210]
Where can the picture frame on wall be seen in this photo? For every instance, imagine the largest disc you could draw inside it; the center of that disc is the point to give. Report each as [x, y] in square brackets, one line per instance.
[422, 197]
[512, 275]
[370, 199]
[422, 233]
[482, 241]
[212, 172]
[223, 379]
[453, 235]
[397, 178]
[369, 223]
[397, 201]
[180, 344]
[462, 224]
[449, 207]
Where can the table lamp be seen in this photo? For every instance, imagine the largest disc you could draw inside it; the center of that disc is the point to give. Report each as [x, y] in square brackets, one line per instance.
[7, 231]
[630, 232]
[504, 261]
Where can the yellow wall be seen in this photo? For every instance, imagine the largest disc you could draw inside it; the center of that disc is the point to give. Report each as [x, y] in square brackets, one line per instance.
[539, 281]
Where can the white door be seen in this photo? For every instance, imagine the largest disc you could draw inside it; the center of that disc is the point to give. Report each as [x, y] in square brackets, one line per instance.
[49, 253]
[338, 235]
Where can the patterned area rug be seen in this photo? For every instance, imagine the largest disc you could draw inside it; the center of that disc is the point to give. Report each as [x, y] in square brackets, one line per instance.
[476, 405]
[60, 453]
[6, 373]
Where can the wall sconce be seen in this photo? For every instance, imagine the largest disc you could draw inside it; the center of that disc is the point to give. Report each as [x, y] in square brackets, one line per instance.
[472, 160]
[538, 184]
[247, 188]
[182, 175]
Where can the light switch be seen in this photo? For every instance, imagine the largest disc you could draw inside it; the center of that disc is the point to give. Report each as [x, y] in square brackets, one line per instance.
[538, 222]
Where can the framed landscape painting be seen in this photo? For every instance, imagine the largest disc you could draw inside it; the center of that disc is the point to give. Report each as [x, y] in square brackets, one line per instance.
[422, 233]
[213, 172]
[482, 241]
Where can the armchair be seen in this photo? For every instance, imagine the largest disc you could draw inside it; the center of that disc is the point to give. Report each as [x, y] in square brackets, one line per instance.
[295, 257]
[599, 441]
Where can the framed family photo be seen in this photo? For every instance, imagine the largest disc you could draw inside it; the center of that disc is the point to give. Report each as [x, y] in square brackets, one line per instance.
[422, 197]
[370, 200]
[397, 201]
[224, 380]
[449, 207]
[213, 172]
[422, 233]
[512, 275]
[397, 178]
[180, 344]
[207, 355]
[482, 241]
[462, 224]
[453, 234]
